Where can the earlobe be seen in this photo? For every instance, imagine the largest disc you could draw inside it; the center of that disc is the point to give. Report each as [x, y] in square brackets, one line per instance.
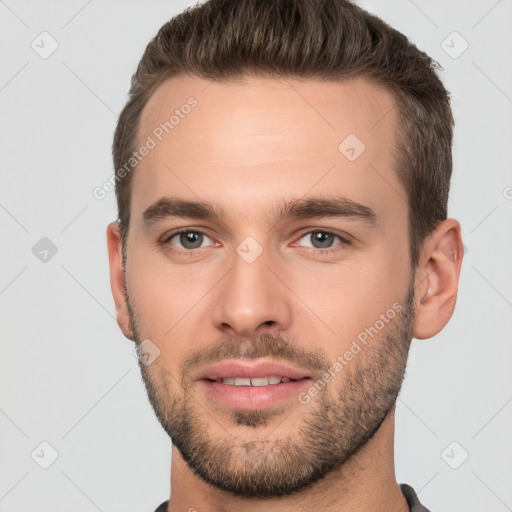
[437, 279]
[117, 280]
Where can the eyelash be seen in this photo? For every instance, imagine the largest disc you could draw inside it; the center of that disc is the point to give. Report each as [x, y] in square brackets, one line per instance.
[191, 252]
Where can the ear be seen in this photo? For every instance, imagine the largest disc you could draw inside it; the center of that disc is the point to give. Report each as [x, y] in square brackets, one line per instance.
[437, 279]
[117, 281]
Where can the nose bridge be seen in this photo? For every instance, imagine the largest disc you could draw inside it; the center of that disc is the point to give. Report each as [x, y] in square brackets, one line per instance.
[251, 295]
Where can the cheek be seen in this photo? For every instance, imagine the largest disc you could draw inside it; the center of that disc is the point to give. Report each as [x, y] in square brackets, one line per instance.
[345, 299]
[163, 294]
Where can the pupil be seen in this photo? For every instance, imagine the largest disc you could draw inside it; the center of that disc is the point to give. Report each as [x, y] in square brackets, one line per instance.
[322, 238]
[189, 240]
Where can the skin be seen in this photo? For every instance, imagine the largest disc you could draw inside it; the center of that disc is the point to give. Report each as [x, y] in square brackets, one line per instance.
[245, 148]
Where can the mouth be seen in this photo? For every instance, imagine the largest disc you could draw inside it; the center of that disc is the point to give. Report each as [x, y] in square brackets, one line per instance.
[246, 372]
[248, 385]
[256, 381]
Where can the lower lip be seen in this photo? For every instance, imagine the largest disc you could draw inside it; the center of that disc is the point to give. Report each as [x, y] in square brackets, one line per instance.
[254, 397]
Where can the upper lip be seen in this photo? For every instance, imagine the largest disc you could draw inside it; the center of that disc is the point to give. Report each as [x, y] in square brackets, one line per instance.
[238, 368]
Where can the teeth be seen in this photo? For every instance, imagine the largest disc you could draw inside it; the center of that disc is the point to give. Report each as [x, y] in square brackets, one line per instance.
[260, 381]
[256, 381]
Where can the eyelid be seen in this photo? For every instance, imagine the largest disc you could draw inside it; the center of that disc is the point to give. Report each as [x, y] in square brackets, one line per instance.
[167, 237]
[345, 239]
[342, 236]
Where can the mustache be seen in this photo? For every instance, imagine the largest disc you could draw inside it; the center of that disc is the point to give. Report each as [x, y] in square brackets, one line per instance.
[269, 345]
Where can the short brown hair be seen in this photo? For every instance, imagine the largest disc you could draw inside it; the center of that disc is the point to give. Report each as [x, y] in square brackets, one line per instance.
[322, 39]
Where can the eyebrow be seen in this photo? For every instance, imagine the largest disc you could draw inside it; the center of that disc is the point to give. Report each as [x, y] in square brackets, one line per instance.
[310, 208]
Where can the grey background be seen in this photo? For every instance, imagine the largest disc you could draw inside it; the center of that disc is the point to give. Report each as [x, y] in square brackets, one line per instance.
[67, 375]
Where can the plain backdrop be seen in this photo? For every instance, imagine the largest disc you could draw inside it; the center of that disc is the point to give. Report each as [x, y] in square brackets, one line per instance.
[71, 395]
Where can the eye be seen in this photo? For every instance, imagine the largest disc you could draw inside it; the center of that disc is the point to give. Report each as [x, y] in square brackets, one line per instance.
[189, 239]
[322, 240]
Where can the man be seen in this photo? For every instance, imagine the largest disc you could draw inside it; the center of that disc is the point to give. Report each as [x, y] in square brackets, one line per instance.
[282, 177]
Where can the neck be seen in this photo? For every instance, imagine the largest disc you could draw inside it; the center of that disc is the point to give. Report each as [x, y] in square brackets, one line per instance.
[365, 482]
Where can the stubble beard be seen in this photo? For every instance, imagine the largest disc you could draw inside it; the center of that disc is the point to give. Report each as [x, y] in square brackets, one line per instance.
[333, 429]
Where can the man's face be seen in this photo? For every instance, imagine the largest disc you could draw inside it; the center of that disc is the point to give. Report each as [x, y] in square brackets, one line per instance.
[329, 297]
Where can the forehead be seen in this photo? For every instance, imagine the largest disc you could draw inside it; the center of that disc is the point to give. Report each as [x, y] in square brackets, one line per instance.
[242, 144]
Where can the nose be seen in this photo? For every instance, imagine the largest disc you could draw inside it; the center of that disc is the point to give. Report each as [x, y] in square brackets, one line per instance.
[251, 300]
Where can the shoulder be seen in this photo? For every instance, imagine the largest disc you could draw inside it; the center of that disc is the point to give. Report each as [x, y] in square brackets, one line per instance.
[163, 507]
[412, 499]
